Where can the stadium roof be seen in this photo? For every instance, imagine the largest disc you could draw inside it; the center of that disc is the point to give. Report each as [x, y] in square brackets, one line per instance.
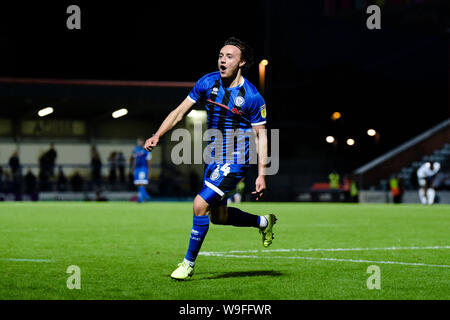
[82, 99]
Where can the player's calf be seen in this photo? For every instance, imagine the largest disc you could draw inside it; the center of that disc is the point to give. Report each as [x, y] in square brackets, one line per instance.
[219, 215]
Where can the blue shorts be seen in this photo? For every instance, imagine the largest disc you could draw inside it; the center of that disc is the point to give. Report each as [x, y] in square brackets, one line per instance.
[141, 176]
[221, 179]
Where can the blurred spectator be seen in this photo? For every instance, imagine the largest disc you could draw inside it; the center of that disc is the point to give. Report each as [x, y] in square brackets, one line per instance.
[44, 179]
[350, 189]
[100, 197]
[62, 180]
[426, 175]
[14, 163]
[7, 183]
[47, 164]
[121, 163]
[334, 180]
[354, 194]
[396, 189]
[17, 187]
[96, 167]
[44, 173]
[346, 182]
[76, 182]
[112, 163]
[334, 185]
[50, 157]
[239, 191]
[31, 186]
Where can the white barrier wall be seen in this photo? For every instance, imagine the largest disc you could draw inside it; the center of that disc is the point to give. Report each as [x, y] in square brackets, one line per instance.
[408, 197]
[68, 154]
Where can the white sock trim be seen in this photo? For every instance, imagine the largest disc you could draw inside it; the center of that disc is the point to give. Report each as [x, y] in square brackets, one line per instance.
[263, 222]
[190, 263]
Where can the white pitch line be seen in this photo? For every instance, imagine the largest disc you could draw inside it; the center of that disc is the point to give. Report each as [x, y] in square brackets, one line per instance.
[25, 260]
[231, 254]
[212, 254]
[330, 249]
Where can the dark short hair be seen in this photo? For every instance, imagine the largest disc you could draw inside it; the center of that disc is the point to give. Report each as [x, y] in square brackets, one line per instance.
[246, 50]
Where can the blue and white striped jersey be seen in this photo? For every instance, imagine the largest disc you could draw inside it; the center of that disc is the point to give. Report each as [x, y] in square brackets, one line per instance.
[238, 108]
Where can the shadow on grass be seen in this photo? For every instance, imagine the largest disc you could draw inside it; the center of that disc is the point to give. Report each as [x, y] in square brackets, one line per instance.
[241, 274]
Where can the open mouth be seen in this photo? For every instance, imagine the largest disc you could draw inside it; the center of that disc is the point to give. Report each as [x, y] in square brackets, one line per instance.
[223, 68]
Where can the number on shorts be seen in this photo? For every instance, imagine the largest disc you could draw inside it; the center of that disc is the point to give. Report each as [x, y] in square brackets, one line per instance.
[225, 169]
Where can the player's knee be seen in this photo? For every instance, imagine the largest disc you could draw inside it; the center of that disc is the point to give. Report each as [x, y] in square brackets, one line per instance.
[200, 210]
[200, 207]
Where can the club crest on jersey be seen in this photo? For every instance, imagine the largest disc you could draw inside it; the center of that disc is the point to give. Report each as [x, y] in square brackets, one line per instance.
[215, 175]
[263, 111]
[215, 90]
[239, 101]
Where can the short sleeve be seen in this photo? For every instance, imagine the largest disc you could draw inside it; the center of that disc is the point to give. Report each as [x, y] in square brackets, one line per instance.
[149, 156]
[199, 89]
[258, 111]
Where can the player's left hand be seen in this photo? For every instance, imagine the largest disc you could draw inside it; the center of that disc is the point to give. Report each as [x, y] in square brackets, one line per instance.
[260, 187]
[151, 143]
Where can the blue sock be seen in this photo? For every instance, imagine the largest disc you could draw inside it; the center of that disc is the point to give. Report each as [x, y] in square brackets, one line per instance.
[198, 233]
[146, 195]
[140, 196]
[142, 193]
[239, 218]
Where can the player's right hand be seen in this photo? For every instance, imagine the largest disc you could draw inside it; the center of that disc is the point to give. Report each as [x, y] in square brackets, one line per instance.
[151, 143]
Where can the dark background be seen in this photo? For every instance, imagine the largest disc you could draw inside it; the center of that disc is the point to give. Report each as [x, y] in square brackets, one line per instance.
[394, 80]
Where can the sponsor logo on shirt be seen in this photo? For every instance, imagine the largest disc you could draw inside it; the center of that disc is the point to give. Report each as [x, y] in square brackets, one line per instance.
[263, 111]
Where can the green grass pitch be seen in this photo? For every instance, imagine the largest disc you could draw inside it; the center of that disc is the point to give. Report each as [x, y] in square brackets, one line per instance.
[128, 250]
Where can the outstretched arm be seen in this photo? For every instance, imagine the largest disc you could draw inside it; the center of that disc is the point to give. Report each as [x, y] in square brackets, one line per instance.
[261, 147]
[171, 121]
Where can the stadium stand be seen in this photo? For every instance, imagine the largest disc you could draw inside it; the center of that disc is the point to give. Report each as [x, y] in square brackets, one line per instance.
[419, 149]
[404, 161]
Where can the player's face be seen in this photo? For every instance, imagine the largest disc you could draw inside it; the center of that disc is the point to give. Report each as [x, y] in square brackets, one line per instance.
[229, 61]
[140, 142]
